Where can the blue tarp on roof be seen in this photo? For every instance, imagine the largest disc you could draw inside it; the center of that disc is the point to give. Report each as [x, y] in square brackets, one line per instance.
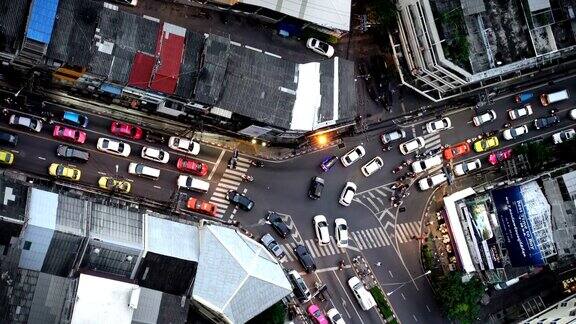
[41, 21]
[111, 88]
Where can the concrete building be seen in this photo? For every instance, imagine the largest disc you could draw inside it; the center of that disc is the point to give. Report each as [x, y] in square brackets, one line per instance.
[207, 81]
[83, 258]
[563, 312]
[445, 48]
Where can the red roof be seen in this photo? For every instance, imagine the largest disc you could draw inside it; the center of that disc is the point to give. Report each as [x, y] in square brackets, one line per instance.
[141, 71]
[170, 49]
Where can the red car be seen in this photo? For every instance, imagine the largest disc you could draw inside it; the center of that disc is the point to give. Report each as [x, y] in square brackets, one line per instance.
[201, 207]
[69, 134]
[192, 166]
[500, 156]
[317, 315]
[126, 130]
[457, 150]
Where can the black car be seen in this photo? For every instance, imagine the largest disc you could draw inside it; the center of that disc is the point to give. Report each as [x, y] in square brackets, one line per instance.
[305, 258]
[278, 224]
[545, 122]
[240, 200]
[72, 153]
[316, 187]
[156, 138]
[7, 138]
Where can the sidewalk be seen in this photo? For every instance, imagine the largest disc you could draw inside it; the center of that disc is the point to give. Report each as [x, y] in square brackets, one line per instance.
[174, 128]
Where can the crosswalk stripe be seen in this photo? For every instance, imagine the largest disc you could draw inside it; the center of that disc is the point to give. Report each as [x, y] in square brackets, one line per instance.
[362, 240]
[219, 215]
[219, 200]
[400, 233]
[220, 205]
[414, 228]
[371, 194]
[372, 232]
[372, 203]
[231, 177]
[381, 192]
[324, 250]
[224, 185]
[312, 248]
[242, 164]
[219, 194]
[221, 189]
[353, 235]
[434, 142]
[428, 135]
[368, 239]
[337, 250]
[379, 236]
[408, 230]
[290, 251]
[329, 246]
[243, 159]
[239, 168]
[382, 232]
[233, 172]
[232, 182]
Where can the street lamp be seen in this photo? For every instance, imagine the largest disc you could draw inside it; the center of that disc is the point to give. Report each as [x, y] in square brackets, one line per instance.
[404, 283]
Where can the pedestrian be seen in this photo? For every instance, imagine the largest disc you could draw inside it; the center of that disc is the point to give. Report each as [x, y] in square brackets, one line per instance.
[378, 263]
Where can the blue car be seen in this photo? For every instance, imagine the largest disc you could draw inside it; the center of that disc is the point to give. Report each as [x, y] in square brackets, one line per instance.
[523, 97]
[328, 162]
[75, 119]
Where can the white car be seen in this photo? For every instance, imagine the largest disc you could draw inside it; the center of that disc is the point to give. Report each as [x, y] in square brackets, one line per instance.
[341, 229]
[438, 125]
[563, 136]
[191, 183]
[321, 229]
[520, 112]
[354, 155]
[155, 154]
[412, 145]
[393, 136]
[362, 295]
[573, 114]
[113, 147]
[347, 194]
[184, 145]
[488, 116]
[466, 167]
[374, 165]
[423, 165]
[334, 316]
[514, 132]
[432, 181]
[320, 47]
[29, 123]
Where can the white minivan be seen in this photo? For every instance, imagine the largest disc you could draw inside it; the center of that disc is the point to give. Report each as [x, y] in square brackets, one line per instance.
[142, 170]
[362, 295]
[191, 183]
[412, 145]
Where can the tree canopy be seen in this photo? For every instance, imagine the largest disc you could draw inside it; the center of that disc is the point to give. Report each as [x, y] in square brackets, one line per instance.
[460, 300]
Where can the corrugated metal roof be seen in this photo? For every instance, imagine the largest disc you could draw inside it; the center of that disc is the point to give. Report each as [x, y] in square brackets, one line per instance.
[148, 307]
[116, 225]
[173, 239]
[141, 70]
[41, 20]
[236, 276]
[169, 50]
[189, 68]
[12, 23]
[42, 208]
[211, 75]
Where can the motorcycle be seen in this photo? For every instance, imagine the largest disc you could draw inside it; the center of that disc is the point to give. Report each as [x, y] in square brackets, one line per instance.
[507, 125]
[387, 148]
[257, 163]
[247, 178]
[398, 169]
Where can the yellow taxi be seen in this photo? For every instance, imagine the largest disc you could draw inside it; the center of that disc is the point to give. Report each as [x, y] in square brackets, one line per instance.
[62, 171]
[486, 144]
[6, 157]
[111, 184]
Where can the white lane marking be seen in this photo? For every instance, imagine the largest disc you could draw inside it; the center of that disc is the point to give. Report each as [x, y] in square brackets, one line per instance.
[428, 308]
[349, 299]
[101, 173]
[273, 55]
[332, 269]
[253, 48]
[403, 297]
[241, 169]
[221, 189]
[219, 194]
[42, 158]
[220, 200]
[391, 275]
[216, 165]
[242, 159]
[232, 182]
[157, 187]
[234, 172]
[220, 205]
[242, 164]
[415, 318]
[224, 185]
[15, 151]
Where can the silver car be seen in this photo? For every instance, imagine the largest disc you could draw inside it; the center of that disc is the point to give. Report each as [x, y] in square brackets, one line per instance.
[393, 136]
[270, 243]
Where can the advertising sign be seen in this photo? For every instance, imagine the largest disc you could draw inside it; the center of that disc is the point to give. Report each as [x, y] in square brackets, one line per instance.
[518, 235]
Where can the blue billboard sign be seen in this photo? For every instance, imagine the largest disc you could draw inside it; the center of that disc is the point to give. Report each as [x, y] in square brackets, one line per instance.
[518, 235]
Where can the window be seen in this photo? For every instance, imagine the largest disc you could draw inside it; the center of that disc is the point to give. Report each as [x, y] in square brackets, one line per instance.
[27, 245]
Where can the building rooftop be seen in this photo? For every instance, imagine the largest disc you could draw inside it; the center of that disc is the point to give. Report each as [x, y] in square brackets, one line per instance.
[215, 61]
[169, 50]
[236, 276]
[333, 14]
[12, 23]
[173, 239]
[13, 199]
[41, 20]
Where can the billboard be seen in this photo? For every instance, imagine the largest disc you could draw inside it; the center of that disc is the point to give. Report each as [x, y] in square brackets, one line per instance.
[514, 222]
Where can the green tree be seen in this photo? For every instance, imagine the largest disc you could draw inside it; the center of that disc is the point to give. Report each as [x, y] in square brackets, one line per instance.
[385, 13]
[275, 314]
[460, 300]
[566, 151]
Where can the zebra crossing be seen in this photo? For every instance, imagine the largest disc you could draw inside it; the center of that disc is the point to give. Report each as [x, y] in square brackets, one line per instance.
[432, 140]
[363, 239]
[230, 180]
[376, 199]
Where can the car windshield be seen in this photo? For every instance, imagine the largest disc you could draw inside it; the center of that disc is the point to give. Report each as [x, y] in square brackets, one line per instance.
[322, 224]
[343, 227]
[121, 147]
[323, 46]
[336, 317]
[139, 168]
[60, 169]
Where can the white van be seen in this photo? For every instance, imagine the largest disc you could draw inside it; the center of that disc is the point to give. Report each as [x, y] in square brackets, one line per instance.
[191, 183]
[364, 298]
[142, 170]
[550, 98]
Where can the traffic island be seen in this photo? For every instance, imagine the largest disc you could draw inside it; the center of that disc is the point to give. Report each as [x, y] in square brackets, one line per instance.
[383, 306]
